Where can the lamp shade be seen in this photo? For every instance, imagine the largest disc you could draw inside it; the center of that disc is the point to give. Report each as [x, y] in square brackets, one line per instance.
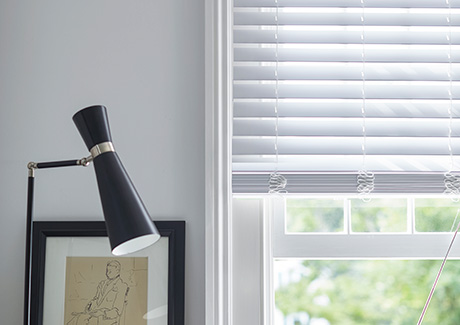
[129, 226]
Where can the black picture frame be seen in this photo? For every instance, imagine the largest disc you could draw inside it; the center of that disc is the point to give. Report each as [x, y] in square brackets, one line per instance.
[42, 230]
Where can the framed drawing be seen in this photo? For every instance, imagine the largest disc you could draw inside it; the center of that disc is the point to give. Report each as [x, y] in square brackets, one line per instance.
[76, 280]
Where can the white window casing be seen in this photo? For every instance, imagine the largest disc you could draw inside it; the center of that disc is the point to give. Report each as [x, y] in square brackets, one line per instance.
[218, 162]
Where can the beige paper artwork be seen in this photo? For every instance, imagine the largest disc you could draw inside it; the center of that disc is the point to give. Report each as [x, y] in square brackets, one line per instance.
[106, 290]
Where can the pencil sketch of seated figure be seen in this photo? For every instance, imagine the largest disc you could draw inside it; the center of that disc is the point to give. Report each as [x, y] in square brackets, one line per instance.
[107, 306]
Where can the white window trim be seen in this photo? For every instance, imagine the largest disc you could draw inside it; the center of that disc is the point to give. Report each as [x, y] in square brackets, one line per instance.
[218, 76]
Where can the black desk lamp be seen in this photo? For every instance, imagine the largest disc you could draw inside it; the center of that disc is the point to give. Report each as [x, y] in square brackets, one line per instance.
[128, 223]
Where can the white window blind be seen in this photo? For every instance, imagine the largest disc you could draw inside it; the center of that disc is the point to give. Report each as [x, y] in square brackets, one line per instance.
[318, 85]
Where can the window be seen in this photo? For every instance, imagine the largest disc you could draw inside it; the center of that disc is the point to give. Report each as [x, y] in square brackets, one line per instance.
[347, 268]
[321, 90]
[371, 272]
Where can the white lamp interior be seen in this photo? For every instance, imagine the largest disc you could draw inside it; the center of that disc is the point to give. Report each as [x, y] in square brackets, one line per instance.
[135, 244]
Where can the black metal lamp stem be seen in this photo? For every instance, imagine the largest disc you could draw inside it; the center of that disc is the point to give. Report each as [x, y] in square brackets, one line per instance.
[30, 199]
[30, 203]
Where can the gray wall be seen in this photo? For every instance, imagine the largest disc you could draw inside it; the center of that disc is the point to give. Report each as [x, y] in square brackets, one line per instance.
[144, 60]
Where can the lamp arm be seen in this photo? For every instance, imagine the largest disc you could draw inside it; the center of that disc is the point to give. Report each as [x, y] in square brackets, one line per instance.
[61, 163]
[30, 198]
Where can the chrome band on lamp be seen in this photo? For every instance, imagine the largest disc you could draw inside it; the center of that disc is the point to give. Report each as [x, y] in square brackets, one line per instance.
[101, 148]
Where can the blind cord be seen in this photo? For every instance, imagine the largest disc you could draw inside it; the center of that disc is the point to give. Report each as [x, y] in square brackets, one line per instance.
[365, 179]
[449, 73]
[451, 180]
[277, 182]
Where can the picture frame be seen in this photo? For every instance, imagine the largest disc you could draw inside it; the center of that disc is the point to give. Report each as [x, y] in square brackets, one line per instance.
[54, 244]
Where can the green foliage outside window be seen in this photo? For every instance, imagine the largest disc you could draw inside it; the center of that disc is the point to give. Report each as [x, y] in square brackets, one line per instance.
[435, 215]
[314, 215]
[379, 215]
[382, 292]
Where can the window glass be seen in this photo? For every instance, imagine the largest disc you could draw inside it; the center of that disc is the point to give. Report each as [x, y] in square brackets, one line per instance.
[346, 292]
[435, 214]
[379, 215]
[314, 215]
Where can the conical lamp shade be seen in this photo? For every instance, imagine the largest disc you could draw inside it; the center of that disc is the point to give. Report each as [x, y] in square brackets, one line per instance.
[128, 223]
